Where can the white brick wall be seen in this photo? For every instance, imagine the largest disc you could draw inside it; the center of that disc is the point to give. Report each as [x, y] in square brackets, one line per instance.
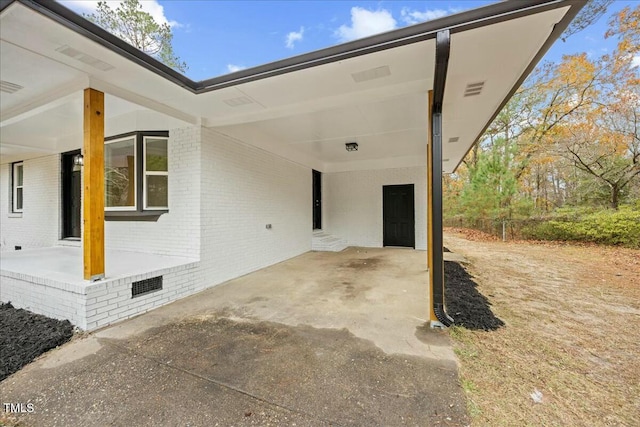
[93, 305]
[245, 188]
[110, 301]
[44, 296]
[177, 232]
[39, 223]
[352, 203]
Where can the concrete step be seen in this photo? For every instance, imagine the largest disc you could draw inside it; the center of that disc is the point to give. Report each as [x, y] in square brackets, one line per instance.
[325, 242]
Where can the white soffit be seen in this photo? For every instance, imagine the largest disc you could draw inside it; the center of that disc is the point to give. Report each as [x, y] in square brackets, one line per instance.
[496, 55]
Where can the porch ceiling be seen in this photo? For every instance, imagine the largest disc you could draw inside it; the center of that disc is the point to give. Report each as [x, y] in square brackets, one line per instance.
[377, 99]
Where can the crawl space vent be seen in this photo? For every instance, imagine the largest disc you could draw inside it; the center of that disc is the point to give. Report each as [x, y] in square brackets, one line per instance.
[473, 89]
[146, 286]
[8, 87]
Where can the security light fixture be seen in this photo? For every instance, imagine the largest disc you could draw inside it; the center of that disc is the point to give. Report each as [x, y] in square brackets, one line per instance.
[78, 160]
[351, 146]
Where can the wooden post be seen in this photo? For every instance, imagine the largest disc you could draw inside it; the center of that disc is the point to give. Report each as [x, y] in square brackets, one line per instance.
[432, 315]
[93, 198]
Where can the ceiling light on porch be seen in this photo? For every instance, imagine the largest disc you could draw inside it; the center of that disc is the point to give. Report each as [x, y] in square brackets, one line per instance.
[8, 87]
[351, 146]
[373, 73]
[473, 89]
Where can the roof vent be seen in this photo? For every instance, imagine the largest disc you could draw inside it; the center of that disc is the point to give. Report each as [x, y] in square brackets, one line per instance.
[83, 57]
[8, 87]
[473, 89]
[454, 139]
[374, 73]
[236, 102]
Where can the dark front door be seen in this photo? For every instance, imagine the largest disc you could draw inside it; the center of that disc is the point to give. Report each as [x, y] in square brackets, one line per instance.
[398, 216]
[71, 193]
[317, 200]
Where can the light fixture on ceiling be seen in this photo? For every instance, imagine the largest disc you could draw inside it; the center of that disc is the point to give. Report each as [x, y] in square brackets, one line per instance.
[351, 146]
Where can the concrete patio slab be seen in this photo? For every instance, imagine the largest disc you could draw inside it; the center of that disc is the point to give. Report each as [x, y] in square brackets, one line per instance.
[322, 339]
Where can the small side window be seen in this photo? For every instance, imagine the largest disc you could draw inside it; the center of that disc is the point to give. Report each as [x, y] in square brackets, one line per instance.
[17, 180]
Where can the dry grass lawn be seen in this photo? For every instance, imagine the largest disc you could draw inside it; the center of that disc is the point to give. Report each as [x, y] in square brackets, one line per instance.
[572, 316]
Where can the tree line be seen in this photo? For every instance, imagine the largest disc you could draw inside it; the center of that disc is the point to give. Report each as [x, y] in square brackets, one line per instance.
[569, 138]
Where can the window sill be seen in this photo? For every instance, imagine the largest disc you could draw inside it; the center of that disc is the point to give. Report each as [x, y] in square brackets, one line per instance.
[15, 215]
[133, 215]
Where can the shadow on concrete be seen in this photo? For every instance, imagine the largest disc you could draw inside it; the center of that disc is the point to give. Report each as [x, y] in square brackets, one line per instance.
[467, 306]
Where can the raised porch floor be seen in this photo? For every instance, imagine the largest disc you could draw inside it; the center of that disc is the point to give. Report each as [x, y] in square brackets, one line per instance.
[50, 281]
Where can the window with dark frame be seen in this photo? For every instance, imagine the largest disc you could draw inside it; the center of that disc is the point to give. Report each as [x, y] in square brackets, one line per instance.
[17, 184]
[136, 175]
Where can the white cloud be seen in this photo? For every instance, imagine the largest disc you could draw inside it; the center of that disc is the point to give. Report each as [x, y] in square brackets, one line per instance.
[293, 37]
[232, 68]
[635, 62]
[415, 16]
[152, 7]
[366, 23]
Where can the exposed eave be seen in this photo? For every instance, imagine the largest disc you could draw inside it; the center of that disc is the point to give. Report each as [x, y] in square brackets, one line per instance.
[278, 91]
[464, 21]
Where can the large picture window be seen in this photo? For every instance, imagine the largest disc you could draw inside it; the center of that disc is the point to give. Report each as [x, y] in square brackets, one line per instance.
[136, 175]
[17, 183]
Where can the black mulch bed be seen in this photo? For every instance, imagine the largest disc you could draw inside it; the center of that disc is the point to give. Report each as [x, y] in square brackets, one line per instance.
[25, 336]
[467, 306]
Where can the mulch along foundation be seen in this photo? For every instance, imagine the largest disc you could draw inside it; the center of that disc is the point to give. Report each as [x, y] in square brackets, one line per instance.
[467, 306]
[25, 335]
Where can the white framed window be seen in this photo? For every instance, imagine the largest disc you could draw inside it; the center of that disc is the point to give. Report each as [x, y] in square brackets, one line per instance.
[17, 184]
[120, 189]
[156, 173]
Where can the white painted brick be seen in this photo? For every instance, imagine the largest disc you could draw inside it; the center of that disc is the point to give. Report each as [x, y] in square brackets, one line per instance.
[352, 204]
[39, 223]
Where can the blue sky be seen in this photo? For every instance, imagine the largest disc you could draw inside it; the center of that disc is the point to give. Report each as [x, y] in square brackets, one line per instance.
[216, 37]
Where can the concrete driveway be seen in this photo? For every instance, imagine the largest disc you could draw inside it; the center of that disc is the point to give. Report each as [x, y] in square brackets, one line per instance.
[321, 339]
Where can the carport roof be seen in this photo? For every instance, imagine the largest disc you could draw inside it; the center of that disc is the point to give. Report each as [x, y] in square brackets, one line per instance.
[372, 91]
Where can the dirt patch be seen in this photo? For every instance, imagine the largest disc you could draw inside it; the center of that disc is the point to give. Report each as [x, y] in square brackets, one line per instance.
[567, 354]
[25, 336]
[467, 306]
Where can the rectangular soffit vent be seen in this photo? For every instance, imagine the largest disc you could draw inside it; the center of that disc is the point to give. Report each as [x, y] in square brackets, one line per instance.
[146, 286]
[8, 87]
[374, 73]
[236, 102]
[454, 139]
[473, 89]
[85, 58]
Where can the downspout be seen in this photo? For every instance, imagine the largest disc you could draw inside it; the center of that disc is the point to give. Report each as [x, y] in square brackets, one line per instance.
[437, 261]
